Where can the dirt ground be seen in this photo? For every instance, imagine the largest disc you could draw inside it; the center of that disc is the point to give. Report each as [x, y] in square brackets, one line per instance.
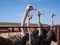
[53, 43]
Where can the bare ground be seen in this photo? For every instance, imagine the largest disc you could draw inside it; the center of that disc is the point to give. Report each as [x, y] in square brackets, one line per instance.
[53, 43]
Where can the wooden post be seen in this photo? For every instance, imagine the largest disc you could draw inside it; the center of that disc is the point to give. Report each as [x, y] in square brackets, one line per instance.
[58, 36]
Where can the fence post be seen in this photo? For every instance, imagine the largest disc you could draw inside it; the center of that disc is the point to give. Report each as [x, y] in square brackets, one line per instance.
[58, 37]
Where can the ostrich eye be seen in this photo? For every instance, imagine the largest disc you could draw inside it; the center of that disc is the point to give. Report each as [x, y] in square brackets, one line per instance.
[30, 6]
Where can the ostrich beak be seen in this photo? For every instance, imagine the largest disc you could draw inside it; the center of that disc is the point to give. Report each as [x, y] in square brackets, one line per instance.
[35, 9]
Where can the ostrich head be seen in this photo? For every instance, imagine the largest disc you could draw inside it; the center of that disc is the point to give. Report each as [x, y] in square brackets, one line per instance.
[52, 15]
[29, 8]
[39, 12]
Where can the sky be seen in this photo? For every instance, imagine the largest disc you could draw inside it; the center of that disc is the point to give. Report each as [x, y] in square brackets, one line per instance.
[13, 10]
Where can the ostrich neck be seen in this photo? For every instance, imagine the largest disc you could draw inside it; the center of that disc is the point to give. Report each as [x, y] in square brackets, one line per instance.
[39, 24]
[24, 17]
[23, 21]
[28, 22]
[38, 18]
[51, 23]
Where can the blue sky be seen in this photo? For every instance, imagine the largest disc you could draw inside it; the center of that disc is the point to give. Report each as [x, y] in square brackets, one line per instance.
[12, 10]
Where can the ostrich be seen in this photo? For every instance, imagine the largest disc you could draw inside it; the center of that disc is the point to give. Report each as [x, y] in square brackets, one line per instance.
[28, 22]
[51, 28]
[36, 34]
[51, 36]
[38, 20]
[25, 35]
[27, 10]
